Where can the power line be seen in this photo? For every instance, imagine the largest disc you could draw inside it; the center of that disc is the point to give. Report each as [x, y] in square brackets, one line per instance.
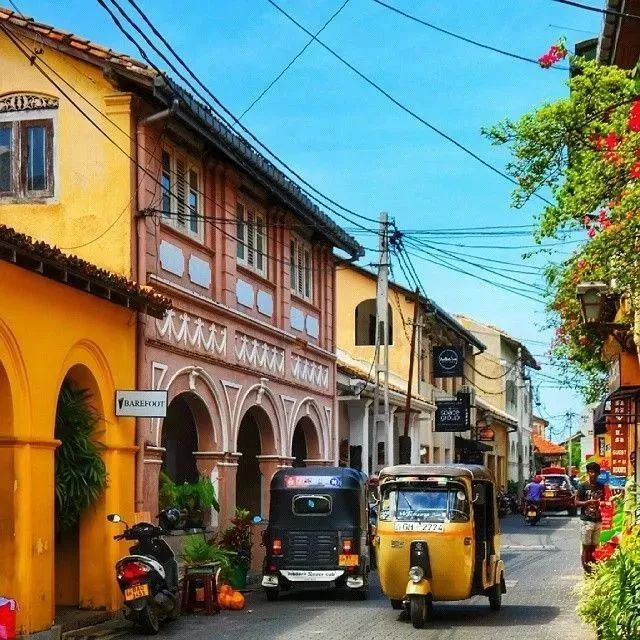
[404, 108]
[36, 61]
[606, 12]
[190, 72]
[457, 36]
[288, 66]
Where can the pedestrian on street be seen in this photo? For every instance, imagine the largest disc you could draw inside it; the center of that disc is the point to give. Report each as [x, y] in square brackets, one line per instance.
[590, 495]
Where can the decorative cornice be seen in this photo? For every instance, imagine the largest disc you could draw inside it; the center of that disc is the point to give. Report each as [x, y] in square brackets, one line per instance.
[26, 102]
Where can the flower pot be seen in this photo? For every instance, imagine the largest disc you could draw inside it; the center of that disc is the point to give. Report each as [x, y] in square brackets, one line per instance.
[238, 576]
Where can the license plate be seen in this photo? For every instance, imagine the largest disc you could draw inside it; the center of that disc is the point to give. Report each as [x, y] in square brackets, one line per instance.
[532, 514]
[348, 560]
[138, 591]
[429, 527]
[548, 494]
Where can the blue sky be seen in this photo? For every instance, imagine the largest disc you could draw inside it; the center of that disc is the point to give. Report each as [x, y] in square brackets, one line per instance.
[357, 147]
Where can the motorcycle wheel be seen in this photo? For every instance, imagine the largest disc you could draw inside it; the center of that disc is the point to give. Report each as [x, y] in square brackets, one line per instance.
[149, 621]
[175, 612]
[418, 610]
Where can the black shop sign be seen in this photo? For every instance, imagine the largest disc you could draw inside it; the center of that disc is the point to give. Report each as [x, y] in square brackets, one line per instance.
[453, 415]
[448, 362]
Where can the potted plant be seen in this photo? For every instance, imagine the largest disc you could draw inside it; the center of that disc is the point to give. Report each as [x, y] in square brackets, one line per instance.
[237, 538]
[192, 498]
[200, 556]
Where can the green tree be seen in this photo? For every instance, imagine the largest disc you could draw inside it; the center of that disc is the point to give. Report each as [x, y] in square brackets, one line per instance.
[584, 152]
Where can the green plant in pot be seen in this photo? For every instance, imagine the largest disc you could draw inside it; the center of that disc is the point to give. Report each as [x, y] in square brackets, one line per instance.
[237, 538]
[199, 552]
[192, 498]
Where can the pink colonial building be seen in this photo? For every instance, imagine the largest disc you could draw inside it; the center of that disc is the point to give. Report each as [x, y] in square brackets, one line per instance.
[247, 354]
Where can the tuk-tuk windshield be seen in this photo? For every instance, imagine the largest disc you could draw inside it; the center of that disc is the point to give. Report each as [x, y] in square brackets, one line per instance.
[425, 504]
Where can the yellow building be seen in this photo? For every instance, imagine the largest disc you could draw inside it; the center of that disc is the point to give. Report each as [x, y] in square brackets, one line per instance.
[504, 396]
[363, 444]
[61, 320]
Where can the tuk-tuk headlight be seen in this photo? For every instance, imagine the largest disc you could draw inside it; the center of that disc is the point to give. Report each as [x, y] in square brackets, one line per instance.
[416, 574]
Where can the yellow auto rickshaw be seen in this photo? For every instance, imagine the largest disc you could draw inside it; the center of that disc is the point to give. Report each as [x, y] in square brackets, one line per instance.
[437, 537]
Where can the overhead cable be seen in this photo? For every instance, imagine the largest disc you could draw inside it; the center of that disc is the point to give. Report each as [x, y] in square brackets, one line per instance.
[402, 106]
[457, 36]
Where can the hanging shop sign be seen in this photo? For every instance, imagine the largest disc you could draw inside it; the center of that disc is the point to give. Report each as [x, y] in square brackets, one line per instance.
[486, 434]
[141, 404]
[448, 362]
[453, 415]
[618, 426]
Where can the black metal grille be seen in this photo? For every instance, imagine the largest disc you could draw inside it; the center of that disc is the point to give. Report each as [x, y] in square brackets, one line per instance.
[312, 548]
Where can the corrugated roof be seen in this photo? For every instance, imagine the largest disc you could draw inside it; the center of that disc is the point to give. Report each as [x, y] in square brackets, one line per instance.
[547, 448]
[231, 142]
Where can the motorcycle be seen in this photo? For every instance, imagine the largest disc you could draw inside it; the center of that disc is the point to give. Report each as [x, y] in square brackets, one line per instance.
[532, 513]
[148, 577]
[504, 504]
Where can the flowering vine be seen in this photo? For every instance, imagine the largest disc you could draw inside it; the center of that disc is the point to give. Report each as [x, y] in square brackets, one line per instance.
[555, 53]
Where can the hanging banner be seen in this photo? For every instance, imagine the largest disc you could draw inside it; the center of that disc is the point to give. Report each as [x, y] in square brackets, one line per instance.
[453, 415]
[618, 426]
[448, 362]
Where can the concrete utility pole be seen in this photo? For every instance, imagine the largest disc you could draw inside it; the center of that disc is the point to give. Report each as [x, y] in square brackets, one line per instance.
[405, 442]
[520, 401]
[570, 415]
[382, 343]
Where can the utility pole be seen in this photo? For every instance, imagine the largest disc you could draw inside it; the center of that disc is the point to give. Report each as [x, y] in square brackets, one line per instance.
[382, 343]
[520, 401]
[405, 441]
[569, 417]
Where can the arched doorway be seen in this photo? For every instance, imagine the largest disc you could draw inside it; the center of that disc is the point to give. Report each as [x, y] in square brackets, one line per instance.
[180, 437]
[305, 444]
[80, 481]
[255, 438]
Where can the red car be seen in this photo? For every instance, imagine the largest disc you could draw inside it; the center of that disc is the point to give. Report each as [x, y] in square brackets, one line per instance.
[559, 494]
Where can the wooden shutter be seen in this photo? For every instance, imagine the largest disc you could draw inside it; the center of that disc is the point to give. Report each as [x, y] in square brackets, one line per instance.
[251, 238]
[241, 232]
[261, 242]
[181, 191]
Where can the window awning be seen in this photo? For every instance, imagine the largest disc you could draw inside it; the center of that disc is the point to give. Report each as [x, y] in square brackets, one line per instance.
[471, 445]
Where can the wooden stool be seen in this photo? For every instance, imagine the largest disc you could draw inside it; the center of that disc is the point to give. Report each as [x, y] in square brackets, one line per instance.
[189, 586]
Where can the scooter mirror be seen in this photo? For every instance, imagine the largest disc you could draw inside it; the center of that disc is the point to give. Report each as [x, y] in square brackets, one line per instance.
[114, 517]
[257, 520]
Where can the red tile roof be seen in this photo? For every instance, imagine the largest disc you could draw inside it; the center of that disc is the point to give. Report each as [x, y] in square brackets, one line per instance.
[24, 251]
[546, 448]
[80, 45]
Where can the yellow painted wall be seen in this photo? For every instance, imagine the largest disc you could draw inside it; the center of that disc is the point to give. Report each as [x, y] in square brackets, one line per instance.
[93, 178]
[354, 287]
[47, 331]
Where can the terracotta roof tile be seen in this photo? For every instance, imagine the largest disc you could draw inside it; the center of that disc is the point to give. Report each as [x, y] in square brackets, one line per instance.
[546, 448]
[24, 251]
[76, 42]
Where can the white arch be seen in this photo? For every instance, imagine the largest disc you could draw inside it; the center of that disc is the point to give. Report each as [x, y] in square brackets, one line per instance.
[200, 374]
[321, 434]
[279, 430]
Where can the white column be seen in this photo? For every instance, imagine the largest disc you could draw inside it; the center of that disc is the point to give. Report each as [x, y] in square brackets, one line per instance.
[414, 430]
[391, 437]
[358, 412]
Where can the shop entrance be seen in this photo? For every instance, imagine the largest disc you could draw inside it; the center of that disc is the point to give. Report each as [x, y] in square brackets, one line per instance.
[180, 439]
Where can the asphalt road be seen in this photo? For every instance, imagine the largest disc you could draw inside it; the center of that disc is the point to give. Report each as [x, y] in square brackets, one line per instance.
[542, 571]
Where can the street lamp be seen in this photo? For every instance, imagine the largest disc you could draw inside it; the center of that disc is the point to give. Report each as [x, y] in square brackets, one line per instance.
[591, 296]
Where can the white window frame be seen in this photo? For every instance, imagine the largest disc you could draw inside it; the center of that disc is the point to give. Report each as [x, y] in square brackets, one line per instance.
[251, 237]
[183, 223]
[301, 268]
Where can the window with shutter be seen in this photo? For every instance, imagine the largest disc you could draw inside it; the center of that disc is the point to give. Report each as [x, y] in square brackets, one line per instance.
[251, 244]
[181, 195]
[301, 268]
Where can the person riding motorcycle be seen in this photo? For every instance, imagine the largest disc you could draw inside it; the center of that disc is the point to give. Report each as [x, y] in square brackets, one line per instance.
[533, 491]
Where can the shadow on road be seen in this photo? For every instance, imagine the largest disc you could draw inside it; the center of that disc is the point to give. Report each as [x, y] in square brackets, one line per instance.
[447, 616]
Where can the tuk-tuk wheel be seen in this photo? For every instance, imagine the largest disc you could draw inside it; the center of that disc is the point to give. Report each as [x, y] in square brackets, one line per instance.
[397, 604]
[272, 594]
[495, 597]
[419, 611]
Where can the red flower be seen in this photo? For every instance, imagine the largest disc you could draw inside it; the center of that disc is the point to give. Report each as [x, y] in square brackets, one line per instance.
[612, 141]
[602, 215]
[587, 220]
[582, 264]
[635, 170]
[592, 232]
[634, 116]
[556, 52]
[612, 157]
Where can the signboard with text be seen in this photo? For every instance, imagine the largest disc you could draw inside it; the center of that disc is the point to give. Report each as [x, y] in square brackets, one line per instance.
[618, 426]
[141, 404]
[448, 362]
[453, 415]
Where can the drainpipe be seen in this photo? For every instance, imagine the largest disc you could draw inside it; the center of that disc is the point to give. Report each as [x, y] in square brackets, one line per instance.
[141, 277]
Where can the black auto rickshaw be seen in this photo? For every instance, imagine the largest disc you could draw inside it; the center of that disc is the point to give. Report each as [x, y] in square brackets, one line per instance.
[317, 533]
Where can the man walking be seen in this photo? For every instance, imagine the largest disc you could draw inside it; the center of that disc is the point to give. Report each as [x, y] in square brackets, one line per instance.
[590, 495]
